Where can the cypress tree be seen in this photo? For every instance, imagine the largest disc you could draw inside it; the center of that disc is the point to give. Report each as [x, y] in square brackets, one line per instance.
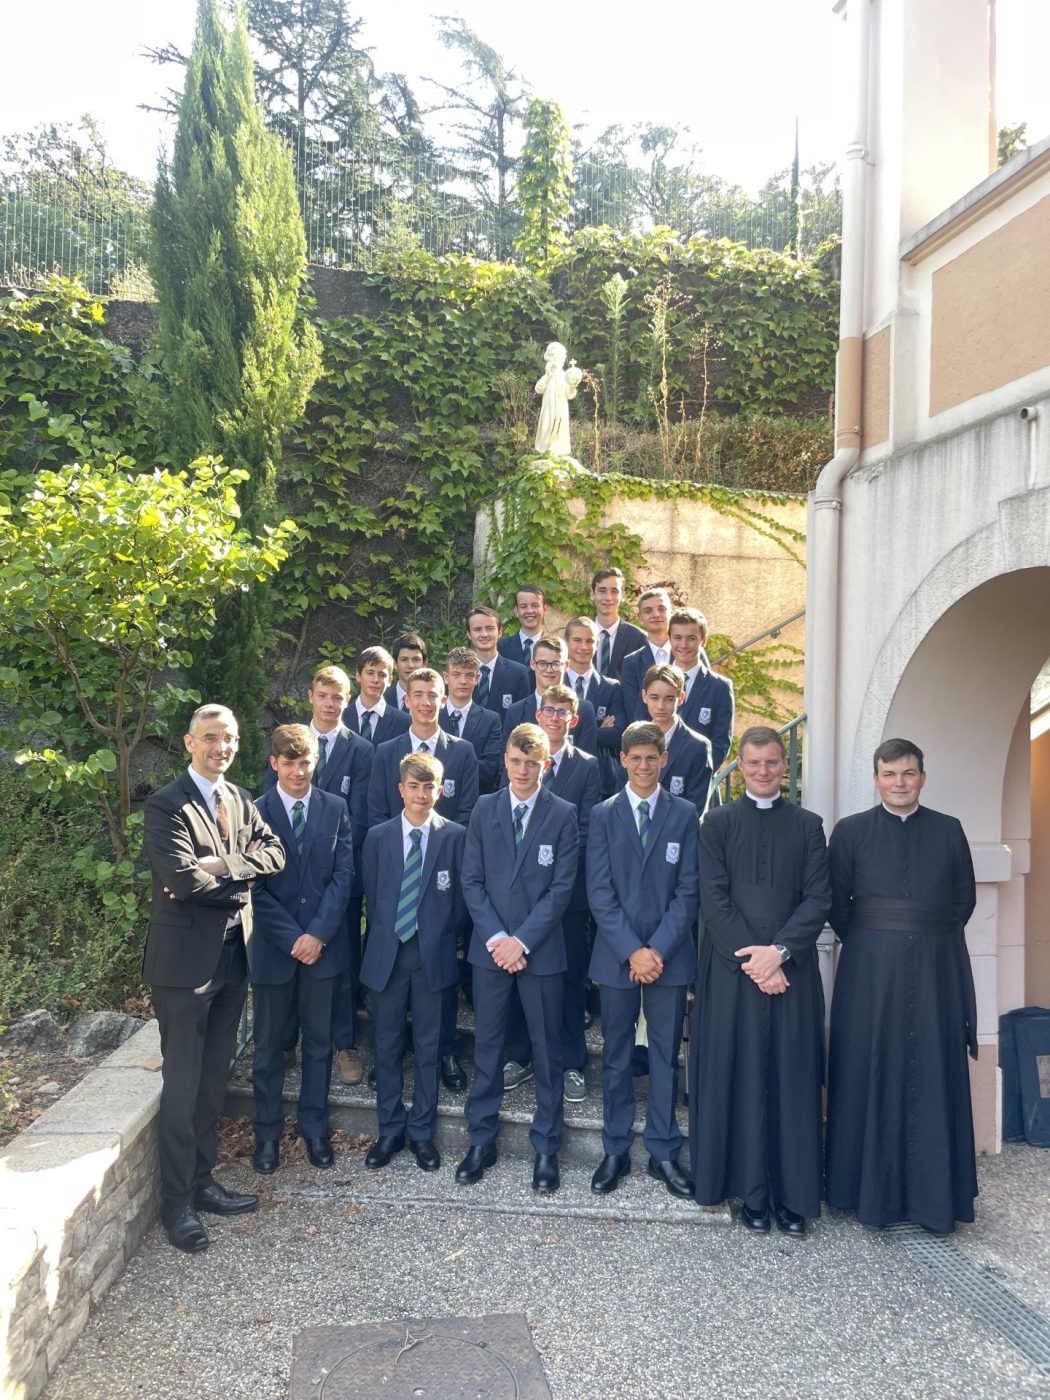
[238, 359]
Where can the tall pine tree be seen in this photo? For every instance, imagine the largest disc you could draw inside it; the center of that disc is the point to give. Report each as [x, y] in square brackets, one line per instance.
[229, 261]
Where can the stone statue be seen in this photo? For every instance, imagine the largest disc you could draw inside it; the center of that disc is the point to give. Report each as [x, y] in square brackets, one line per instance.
[557, 385]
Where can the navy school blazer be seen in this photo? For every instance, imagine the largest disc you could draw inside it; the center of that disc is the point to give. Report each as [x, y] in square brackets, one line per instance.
[459, 789]
[392, 723]
[442, 914]
[644, 899]
[482, 732]
[521, 889]
[584, 736]
[310, 895]
[577, 781]
[509, 682]
[345, 774]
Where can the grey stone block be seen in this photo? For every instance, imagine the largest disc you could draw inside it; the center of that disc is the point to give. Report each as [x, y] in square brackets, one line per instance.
[121, 1101]
[36, 1030]
[65, 1334]
[100, 1032]
[142, 1051]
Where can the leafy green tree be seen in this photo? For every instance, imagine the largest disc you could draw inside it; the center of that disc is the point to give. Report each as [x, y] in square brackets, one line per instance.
[491, 98]
[66, 208]
[239, 360]
[107, 577]
[1012, 139]
[544, 185]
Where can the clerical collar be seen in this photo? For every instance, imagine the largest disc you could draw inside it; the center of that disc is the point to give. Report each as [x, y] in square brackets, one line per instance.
[762, 803]
[900, 816]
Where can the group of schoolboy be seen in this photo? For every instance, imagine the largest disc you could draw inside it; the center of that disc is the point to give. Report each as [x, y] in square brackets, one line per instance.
[538, 802]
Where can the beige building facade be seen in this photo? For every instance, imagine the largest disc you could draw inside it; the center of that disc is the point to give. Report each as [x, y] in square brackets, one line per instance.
[929, 532]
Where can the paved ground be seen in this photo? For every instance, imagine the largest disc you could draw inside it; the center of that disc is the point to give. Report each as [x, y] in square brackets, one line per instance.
[663, 1302]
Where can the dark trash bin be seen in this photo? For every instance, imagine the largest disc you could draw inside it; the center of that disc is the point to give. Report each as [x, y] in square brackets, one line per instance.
[1024, 1056]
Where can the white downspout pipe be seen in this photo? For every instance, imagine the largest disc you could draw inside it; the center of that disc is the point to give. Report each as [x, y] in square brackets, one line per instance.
[825, 516]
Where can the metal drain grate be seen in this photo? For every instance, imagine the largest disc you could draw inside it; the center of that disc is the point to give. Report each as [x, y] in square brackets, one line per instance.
[974, 1285]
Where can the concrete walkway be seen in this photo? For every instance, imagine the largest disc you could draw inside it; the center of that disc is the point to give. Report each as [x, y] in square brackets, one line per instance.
[659, 1301]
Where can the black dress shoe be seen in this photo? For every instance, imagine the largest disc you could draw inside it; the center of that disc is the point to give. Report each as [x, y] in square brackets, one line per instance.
[475, 1164]
[757, 1220]
[319, 1151]
[453, 1075]
[545, 1175]
[185, 1230]
[788, 1221]
[383, 1149]
[428, 1158]
[266, 1157]
[611, 1168]
[672, 1177]
[216, 1199]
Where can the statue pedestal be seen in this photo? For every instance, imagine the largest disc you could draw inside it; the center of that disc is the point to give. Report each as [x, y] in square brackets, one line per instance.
[564, 466]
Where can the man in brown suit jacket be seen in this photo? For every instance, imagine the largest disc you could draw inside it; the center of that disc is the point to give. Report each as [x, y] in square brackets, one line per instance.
[205, 844]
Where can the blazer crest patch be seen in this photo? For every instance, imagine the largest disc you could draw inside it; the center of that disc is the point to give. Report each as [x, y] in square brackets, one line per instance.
[344, 786]
[508, 700]
[444, 882]
[600, 712]
[676, 785]
[448, 787]
[545, 855]
[704, 714]
[674, 850]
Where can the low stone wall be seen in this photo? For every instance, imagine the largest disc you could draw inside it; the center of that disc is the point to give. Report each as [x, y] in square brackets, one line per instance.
[78, 1192]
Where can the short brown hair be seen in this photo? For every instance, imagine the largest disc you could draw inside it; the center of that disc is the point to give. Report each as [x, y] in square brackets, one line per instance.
[758, 736]
[409, 641]
[642, 732]
[462, 657]
[427, 675]
[331, 675]
[603, 574]
[550, 642]
[424, 767]
[686, 617]
[655, 593]
[293, 741]
[890, 750]
[529, 739]
[670, 675]
[485, 611]
[529, 588]
[561, 694]
[588, 622]
[375, 656]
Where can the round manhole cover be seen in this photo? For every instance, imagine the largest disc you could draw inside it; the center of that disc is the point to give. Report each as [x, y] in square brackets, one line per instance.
[432, 1368]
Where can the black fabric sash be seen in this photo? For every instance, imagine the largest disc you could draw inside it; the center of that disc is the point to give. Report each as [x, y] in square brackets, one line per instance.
[764, 901]
[908, 915]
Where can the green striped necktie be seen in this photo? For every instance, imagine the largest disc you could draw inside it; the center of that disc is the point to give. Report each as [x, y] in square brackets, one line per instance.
[411, 880]
[298, 824]
[519, 821]
[643, 823]
[322, 753]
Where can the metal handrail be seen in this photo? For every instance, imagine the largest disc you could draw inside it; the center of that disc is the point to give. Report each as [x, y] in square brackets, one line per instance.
[722, 781]
[773, 631]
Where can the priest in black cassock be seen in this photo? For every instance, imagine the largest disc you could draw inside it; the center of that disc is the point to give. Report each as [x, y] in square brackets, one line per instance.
[757, 1046]
[900, 1126]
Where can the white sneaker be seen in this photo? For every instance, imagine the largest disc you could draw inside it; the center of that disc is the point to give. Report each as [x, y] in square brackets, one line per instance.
[575, 1086]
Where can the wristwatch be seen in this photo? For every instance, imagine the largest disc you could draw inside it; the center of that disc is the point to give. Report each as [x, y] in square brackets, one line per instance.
[782, 950]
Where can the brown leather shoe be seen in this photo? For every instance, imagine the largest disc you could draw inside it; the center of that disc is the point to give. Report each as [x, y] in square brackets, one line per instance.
[351, 1070]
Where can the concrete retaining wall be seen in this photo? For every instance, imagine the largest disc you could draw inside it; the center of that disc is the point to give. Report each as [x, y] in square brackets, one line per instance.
[78, 1192]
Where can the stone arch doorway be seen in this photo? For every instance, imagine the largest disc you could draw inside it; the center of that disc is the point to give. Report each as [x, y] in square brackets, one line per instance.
[964, 695]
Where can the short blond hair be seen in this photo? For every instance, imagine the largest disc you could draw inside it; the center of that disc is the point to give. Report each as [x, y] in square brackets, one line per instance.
[293, 741]
[462, 657]
[563, 694]
[332, 675]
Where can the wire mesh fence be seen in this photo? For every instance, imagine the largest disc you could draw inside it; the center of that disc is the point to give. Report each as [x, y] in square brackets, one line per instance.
[80, 220]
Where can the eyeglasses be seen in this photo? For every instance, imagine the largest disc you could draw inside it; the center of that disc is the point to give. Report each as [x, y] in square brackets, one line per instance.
[553, 713]
[547, 665]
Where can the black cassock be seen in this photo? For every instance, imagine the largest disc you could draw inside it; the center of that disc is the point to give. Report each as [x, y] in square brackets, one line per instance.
[900, 1127]
[757, 1060]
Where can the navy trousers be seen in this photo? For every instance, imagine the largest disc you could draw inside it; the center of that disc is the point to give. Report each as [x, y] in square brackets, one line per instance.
[309, 1000]
[664, 1013]
[406, 990]
[576, 925]
[541, 1000]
